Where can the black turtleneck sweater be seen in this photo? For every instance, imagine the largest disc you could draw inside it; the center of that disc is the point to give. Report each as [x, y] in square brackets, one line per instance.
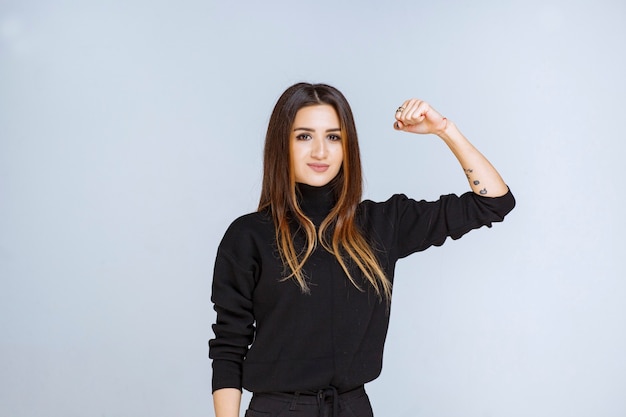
[269, 336]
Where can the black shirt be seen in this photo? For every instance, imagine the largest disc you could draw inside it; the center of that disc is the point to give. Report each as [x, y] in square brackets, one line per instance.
[269, 336]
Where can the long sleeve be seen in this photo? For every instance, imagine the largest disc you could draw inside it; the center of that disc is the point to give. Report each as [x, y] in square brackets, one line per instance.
[233, 285]
[417, 225]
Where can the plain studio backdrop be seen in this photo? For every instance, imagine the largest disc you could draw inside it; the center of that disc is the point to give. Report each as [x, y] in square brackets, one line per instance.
[131, 135]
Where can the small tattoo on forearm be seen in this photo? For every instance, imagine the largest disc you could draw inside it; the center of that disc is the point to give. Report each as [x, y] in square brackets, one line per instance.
[469, 170]
[476, 182]
[483, 191]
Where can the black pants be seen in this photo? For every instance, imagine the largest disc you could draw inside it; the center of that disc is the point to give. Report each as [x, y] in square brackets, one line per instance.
[324, 403]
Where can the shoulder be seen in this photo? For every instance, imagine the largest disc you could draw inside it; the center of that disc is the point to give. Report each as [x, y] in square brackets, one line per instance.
[389, 206]
[249, 223]
[382, 213]
[394, 199]
[247, 233]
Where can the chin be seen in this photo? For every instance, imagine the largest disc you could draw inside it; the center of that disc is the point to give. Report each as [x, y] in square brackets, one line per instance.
[315, 182]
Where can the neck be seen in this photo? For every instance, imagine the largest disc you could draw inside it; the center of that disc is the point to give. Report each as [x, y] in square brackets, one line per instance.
[315, 201]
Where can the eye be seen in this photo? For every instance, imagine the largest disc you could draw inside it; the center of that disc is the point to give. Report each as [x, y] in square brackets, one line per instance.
[303, 136]
[334, 138]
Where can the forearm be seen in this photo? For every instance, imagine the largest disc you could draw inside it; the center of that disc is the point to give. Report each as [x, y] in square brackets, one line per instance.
[226, 402]
[482, 176]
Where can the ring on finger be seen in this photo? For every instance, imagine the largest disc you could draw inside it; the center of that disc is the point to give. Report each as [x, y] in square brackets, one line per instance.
[400, 109]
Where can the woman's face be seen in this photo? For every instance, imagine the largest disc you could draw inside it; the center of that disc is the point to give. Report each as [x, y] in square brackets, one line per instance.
[316, 148]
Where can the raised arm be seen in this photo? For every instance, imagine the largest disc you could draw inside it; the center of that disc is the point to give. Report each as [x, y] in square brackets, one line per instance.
[417, 116]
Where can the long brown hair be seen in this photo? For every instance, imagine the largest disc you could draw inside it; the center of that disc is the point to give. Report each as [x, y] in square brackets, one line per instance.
[279, 192]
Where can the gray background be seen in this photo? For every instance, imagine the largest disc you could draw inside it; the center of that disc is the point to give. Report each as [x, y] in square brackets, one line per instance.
[131, 134]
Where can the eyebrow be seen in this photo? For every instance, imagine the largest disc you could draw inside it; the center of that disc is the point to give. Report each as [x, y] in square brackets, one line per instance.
[308, 129]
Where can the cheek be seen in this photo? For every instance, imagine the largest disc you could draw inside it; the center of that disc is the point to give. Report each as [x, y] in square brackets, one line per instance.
[339, 154]
[296, 151]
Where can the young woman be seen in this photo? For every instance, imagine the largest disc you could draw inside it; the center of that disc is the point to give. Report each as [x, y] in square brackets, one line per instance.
[302, 287]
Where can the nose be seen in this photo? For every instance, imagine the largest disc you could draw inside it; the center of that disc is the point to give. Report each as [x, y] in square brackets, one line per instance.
[318, 148]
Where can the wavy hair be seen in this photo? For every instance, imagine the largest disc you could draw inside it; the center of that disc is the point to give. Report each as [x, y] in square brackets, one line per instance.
[278, 192]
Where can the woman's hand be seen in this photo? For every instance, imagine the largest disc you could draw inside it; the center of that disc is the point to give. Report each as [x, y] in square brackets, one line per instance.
[416, 116]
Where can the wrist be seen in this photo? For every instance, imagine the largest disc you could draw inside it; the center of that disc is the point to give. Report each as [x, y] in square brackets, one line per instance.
[453, 137]
[446, 131]
[443, 127]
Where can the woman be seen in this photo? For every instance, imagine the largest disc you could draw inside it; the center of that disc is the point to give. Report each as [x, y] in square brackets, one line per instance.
[302, 287]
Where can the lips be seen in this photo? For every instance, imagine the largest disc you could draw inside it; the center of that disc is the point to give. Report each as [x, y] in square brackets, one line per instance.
[319, 167]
